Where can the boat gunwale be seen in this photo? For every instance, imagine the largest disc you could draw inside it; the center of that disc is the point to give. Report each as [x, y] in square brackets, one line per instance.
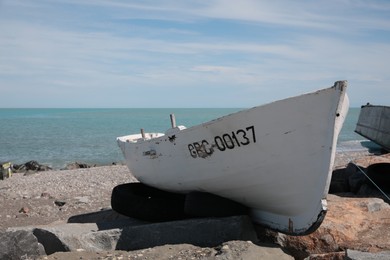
[340, 84]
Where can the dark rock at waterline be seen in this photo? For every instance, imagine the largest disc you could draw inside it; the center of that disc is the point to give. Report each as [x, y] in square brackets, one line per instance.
[34, 166]
[31, 166]
[77, 165]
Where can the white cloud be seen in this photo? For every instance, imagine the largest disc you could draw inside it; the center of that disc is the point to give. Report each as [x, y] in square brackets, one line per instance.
[103, 48]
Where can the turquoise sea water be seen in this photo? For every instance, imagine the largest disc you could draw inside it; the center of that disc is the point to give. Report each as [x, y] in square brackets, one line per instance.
[57, 137]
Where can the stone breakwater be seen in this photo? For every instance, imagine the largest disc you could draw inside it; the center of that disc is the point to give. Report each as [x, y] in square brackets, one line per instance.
[66, 215]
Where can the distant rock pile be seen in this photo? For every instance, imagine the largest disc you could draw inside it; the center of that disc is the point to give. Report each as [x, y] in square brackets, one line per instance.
[31, 166]
[77, 165]
[34, 166]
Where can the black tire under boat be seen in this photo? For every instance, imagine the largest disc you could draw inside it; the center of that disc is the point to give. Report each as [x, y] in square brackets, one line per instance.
[379, 173]
[140, 201]
[203, 204]
[144, 202]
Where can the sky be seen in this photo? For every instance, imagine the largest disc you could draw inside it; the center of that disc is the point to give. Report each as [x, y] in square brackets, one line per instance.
[175, 53]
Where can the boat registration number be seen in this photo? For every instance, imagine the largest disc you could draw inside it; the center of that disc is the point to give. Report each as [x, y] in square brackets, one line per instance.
[226, 141]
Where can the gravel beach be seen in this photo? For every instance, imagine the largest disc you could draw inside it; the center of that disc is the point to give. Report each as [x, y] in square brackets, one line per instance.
[44, 197]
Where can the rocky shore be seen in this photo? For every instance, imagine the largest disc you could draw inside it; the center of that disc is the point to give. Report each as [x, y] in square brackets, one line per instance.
[72, 207]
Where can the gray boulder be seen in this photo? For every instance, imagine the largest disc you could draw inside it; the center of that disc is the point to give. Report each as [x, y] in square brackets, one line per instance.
[199, 232]
[19, 244]
[132, 234]
[357, 255]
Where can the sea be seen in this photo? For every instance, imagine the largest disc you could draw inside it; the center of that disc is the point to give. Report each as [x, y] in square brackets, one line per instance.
[57, 137]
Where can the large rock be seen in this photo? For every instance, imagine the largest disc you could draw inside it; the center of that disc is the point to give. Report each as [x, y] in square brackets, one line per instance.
[19, 244]
[357, 255]
[340, 179]
[133, 234]
[231, 250]
[200, 232]
[208, 238]
[360, 224]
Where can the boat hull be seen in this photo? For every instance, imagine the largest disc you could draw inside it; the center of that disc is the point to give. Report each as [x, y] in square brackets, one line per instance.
[276, 159]
[374, 124]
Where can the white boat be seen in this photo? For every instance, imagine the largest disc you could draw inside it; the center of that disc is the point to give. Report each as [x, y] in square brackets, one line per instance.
[276, 159]
[374, 124]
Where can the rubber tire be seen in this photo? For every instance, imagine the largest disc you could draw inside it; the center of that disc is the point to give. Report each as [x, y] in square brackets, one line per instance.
[140, 201]
[379, 173]
[203, 204]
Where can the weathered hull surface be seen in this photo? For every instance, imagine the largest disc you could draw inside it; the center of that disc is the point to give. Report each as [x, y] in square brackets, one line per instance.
[374, 124]
[277, 158]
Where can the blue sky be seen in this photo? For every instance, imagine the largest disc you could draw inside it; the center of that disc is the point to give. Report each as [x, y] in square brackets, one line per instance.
[171, 53]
